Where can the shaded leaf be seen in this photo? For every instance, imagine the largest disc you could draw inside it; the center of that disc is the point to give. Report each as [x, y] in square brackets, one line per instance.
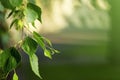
[33, 24]
[13, 10]
[15, 3]
[30, 15]
[37, 9]
[6, 4]
[32, 1]
[3, 58]
[29, 46]
[47, 53]
[15, 54]
[10, 64]
[1, 7]
[34, 65]
[38, 38]
[9, 59]
[13, 22]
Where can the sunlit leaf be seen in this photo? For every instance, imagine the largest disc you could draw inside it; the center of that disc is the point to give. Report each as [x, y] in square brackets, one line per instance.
[29, 46]
[15, 77]
[15, 3]
[34, 65]
[19, 24]
[47, 53]
[38, 38]
[37, 9]
[53, 51]
[56, 51]
[30, 15]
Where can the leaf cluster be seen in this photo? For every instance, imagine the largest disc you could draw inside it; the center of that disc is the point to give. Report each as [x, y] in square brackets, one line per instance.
[24, 12]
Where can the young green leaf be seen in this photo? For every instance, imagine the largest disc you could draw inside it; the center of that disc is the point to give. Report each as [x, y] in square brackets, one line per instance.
[37, 9]
[47, 53]
[29, 46]
[15, 77]
[34, 65]
[56, 51]
[15, 3]
[30, 15]
[19, 25]
[38, 38]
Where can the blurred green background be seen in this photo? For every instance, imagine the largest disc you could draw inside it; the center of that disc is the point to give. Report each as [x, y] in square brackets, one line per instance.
[86, 32]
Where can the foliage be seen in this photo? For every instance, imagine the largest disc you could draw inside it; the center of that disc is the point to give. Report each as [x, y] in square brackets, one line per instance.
[23, 13]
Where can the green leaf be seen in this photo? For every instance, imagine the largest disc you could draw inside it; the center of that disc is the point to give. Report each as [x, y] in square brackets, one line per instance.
[47, 53]
[48, 41]
[13, 22]
[1, 7]
[29, 46]
[30, 15]
[37, 9]
[32, 1]
[13, 10]
[56, 51]
[15, 54]
[3, 58]
[10, 64]
[38, 38]
[34, 65]
[15, 77]
[19, 24]
[33, 24]
[6, 4]
[9, 59]
[15, 3]
[53, 51]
